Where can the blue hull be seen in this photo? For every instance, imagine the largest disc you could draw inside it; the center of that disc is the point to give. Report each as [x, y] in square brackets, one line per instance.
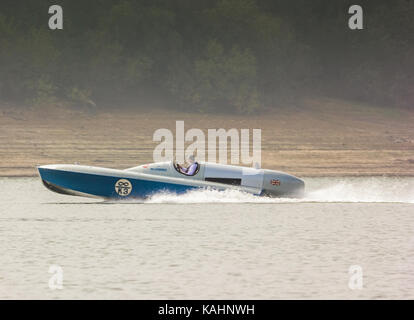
[67, 182]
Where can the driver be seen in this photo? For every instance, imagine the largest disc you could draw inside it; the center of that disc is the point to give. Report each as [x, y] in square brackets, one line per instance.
[191, 168]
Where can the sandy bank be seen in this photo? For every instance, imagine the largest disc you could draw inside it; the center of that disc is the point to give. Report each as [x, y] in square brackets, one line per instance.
[327, 138]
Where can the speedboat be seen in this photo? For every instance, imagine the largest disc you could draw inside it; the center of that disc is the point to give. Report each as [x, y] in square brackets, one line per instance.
[146, 180]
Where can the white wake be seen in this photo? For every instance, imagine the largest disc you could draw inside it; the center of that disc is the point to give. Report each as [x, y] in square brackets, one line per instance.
[374, 189]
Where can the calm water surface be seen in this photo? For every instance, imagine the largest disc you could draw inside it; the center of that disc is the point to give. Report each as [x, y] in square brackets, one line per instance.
[209, 244]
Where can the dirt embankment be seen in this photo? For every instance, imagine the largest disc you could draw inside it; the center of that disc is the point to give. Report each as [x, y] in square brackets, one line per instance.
[326, 138]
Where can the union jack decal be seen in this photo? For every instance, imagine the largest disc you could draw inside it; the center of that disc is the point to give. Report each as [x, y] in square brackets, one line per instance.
[275, 182]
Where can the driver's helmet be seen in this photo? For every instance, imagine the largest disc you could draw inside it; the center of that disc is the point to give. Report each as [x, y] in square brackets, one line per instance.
[191, 159]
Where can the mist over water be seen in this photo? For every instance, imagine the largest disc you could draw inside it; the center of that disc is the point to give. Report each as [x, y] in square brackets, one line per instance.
[361, 189]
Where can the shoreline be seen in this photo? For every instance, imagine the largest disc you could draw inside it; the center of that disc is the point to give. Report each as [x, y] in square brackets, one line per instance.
[323, 138]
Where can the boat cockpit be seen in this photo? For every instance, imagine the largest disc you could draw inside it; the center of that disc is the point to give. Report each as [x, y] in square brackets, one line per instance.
[177, 167]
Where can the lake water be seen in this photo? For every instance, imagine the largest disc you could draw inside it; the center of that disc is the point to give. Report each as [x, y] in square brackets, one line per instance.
[210, 245]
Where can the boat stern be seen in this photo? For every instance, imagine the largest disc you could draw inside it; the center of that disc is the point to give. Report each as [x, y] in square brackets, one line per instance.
[279, 184]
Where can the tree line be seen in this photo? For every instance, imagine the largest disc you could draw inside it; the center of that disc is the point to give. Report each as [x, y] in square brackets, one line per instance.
[243, 56]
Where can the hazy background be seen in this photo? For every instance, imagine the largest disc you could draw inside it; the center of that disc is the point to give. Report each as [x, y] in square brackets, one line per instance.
[230, 55]
[330, 101]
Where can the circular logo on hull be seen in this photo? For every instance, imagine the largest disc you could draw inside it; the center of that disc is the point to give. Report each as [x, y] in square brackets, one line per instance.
[123, 187]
